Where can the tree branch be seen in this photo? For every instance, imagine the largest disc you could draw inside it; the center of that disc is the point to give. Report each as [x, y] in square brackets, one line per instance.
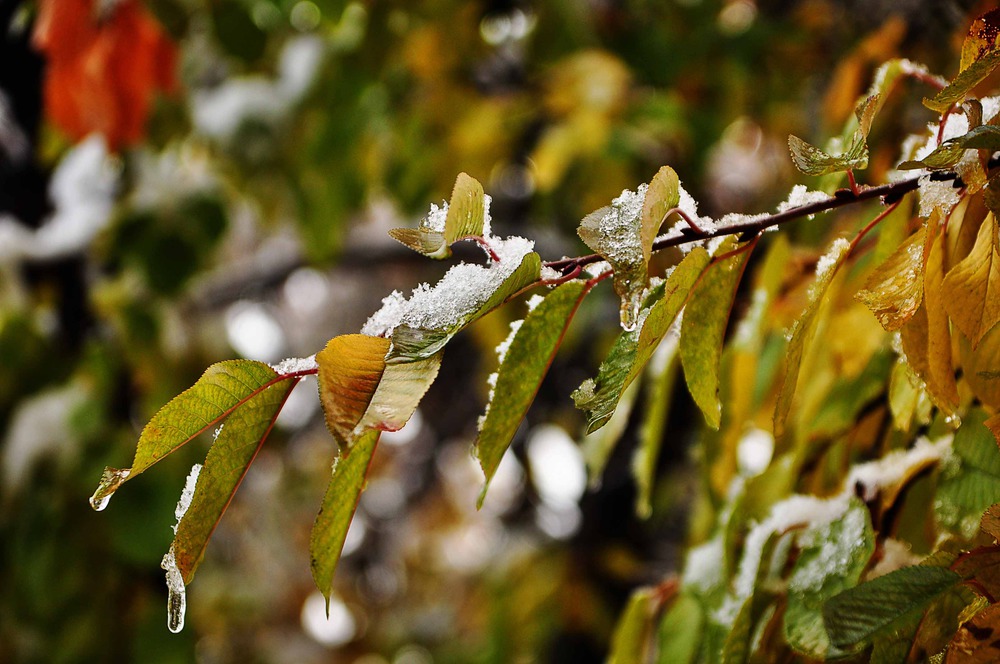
[890, 194]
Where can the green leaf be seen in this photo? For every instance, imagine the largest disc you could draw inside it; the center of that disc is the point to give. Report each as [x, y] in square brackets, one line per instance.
[831, 560]
[238, 441]
[632, 638]
[803, 331]
[848, 397]
[524, 365]
[465, 216]
[813, 161]
[420, 340]
[895, 289]
[661, 371]
[224, 387]
[703, 329]
[967, 488]
[334, 518]
[630, 353]
[967, 79]
[598, 445]
[350, 370]
[973, 285]
[662, 196]
[679, 634]
[857, 615]
[949, 153]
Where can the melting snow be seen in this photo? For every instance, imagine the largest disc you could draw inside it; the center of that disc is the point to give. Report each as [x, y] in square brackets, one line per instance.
[176, 592]
[936, 194]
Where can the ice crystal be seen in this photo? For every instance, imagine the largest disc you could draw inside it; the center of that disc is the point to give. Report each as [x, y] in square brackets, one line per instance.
[176, 592]
[188, 493]
[435, 219]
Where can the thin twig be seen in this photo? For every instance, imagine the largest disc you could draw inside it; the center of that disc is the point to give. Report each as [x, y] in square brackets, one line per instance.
[889, 193]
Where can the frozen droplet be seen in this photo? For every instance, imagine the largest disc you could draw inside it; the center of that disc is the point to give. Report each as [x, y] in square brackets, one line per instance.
[630, 311]
[111, 479]
[176, 593]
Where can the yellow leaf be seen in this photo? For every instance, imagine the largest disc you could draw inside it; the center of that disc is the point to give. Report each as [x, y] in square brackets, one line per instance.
[940, 374]
[973, 286]
[350, 369]
[982, 37]
[894, 290]
[981, 367]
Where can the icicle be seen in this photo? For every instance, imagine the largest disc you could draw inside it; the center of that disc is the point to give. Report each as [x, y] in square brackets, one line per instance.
[176, 593]
[110, 481]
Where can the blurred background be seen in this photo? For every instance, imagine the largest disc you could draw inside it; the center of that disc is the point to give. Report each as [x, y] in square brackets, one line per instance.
[185, 181]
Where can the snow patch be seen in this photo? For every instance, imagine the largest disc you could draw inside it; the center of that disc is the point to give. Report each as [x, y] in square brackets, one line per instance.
[296, 365]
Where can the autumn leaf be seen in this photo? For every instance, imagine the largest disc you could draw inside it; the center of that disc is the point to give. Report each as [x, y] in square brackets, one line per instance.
[978, 640]
[895, 289]
[973, 286]
[967, 79]
[350, 369]
[106, 61]
[811, 160]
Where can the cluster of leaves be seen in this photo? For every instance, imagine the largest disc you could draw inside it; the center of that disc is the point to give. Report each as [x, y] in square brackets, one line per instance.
[880, 449]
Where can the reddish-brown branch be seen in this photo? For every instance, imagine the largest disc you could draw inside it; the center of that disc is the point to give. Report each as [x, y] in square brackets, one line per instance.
[889, 193]
[872, 224]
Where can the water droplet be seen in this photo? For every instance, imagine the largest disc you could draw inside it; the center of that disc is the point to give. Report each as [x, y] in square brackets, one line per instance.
[111, 479]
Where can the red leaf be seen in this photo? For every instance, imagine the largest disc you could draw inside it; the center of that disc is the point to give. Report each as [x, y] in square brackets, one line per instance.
[104, 67]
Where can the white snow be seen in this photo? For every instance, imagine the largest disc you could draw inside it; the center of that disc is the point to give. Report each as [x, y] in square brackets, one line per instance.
[219, 112]
[187, 494]
[295, 365]
[704, 565]
[868, 479]
[800, 196]
[82, 193]
[828, 261]
[436, 217]
[505, 344]
[462, 290]
[534, 301]
[794, 511]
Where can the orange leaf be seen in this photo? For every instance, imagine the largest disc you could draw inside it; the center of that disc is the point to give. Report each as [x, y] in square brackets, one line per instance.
[350, 370]
[104, 66]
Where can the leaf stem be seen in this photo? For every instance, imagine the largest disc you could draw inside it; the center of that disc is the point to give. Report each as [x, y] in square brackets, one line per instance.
[872, 224]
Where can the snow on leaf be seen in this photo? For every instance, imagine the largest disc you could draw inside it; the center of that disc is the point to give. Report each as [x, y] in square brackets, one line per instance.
[350, 370]
[967, 79]
[895, 289]
[973, 285]
[633, 349]
[702, 330]
[234, 449]
[831, 559]
[857, 615]
[615, 232]
[803, 331]
[221, 390]
[329, 531]
[422, 325]
[465, 215]
[523, 367]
